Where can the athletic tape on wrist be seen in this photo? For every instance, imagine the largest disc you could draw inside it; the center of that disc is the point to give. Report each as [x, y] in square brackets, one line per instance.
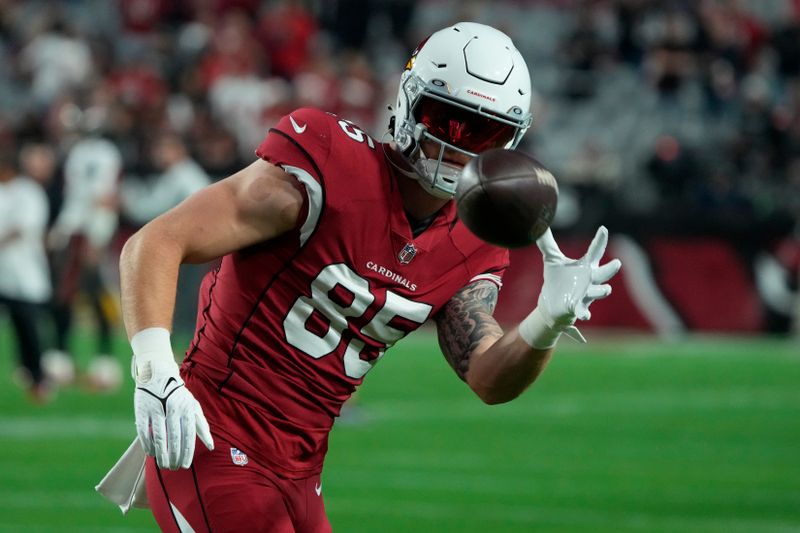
[151, 346]
[536, 330]
[151, 341]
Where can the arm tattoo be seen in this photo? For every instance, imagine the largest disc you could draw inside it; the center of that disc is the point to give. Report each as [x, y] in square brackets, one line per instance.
[465, 321]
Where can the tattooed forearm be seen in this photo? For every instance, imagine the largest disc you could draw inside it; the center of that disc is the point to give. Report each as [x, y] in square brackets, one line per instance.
[466, 321]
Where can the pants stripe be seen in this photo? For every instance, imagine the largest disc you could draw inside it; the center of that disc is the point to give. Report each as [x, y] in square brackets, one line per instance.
[183, 524]
[166, 497]
[200, 498]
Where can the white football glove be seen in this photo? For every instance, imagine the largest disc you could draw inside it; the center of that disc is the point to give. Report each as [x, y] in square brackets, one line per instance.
[167, 415]
[570, 286]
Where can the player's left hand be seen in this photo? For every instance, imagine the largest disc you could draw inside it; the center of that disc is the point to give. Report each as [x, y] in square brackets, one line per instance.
[571, 285]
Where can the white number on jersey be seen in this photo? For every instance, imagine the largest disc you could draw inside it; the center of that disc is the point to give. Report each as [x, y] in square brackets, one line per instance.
[378, 329]
[355, 133]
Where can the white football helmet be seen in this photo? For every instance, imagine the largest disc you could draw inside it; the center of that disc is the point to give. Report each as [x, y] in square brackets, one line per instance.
[465, 88]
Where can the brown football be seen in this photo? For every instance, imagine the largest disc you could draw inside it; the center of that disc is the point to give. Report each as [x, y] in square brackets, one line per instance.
[506, 198]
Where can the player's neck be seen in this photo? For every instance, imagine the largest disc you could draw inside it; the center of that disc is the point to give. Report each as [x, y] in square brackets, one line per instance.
[417, 203]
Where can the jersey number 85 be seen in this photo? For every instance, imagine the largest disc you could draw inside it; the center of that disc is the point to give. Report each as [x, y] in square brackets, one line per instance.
[380, 328]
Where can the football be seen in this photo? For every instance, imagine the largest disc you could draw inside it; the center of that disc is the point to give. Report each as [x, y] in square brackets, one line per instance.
[506, 198]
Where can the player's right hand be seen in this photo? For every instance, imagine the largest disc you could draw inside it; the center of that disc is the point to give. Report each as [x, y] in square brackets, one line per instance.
[571, 285]
[168, 417]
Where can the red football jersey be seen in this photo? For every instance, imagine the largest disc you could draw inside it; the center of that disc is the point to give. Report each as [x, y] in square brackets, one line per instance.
[288, 328]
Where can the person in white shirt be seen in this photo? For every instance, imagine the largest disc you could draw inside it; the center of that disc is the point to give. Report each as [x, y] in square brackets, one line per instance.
[57, 59]
[24, 273]
[80, 237]
[180, 177]
[91, 179]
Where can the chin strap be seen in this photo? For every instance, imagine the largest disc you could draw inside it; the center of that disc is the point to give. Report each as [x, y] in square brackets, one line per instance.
[415, 173]
[409, 174]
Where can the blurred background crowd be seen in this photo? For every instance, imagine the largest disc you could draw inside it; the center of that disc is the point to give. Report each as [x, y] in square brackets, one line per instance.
[646, 107]
[659, 118]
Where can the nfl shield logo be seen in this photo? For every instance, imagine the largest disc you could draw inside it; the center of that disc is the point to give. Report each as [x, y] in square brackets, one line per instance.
[239, 457]
[407, 253]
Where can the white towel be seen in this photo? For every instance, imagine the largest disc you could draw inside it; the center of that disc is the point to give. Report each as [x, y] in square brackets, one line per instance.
[124, 483]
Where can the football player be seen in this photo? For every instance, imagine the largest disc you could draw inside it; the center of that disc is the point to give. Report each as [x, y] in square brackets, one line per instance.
[81, 240]
[334, 246]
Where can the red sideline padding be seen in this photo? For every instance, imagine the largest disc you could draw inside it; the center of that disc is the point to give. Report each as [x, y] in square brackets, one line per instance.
[523, 280]
[707, 283]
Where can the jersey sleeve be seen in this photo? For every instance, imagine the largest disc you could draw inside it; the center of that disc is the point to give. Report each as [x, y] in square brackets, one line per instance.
[300, 139]
[484, 261]
[495, 276]
[492, 268]
[300, 144]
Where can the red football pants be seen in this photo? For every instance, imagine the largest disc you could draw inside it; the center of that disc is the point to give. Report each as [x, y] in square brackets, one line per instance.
[216, 495]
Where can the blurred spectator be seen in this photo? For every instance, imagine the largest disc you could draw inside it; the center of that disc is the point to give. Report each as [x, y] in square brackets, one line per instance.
[247, 105]
[787, 45]
[142, 16]
[234, 50]
[24, 275]
[672, 35]
[318, 85]
[594, 173]
[288, 31]
[674, 168]
[215, 147]
[241, 98]
[629, 14]
[56, 59]
[792, 192]
[180, 177]
[583, 51]
[720, 198]
[81, 237]
[138, 84]
[350, 22]
[359, 91]
[247, 7]
[38, 161]
[777, 277]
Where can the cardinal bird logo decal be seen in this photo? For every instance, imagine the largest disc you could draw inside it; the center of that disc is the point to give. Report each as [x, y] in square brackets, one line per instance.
[413, 58]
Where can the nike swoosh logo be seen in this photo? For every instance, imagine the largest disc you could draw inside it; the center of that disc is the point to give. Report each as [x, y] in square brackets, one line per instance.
[297, 128]
[169, 382]
[318, 489]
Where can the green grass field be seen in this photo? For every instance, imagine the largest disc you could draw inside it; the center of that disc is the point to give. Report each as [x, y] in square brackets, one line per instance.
[621, 435]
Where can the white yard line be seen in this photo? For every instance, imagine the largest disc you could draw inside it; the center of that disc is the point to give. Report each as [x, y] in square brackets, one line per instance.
[28, 499]
[21, 428]
[29, 527]
[653, 402]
